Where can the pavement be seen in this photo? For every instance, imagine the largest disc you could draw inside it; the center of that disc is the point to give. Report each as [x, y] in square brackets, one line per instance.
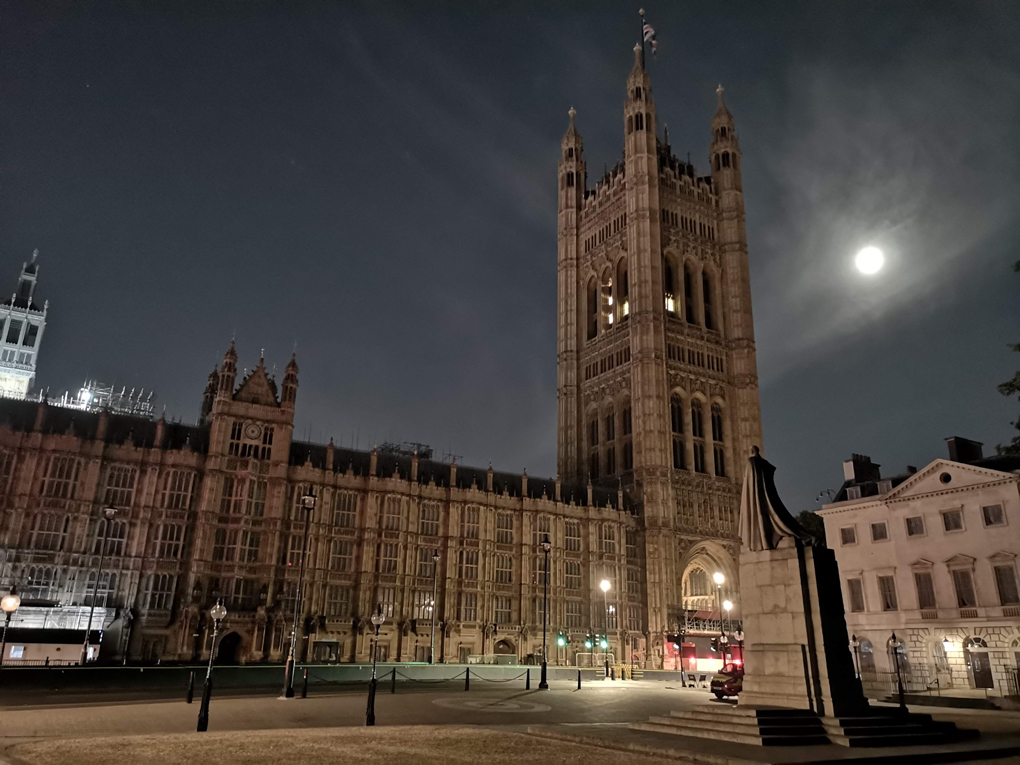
[558, 724]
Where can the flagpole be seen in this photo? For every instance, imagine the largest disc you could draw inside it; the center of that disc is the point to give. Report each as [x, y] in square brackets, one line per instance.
[641, 37]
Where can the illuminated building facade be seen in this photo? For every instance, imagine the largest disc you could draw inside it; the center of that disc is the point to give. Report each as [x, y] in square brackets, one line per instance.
[22, 322]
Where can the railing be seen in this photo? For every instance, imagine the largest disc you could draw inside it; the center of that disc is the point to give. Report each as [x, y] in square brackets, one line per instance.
[593, 660]
[916, 678]
[40, 662]
[1012, 681]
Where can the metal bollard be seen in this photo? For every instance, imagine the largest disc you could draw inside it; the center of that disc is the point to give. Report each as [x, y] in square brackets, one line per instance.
[393, 681]
[191, 687]
[612, 673]
[467, 679]
[578, 679]
[304, 685]
[623, 674]
[527, 681]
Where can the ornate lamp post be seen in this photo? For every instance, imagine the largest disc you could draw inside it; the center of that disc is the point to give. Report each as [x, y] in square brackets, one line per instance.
[604, 586]
[377, 621]
[108, 514]
[307, 504]
[218, 613]
[433, 610]
[727, 607]
[543, 684]
[739, 635]
[896, 645]
[8, 604]
[856, 644]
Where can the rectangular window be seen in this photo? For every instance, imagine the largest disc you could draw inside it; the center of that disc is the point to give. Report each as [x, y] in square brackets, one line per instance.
[341, 555]
[610, 427]
[538, 564]
[177, 488]
[236, 430]
[338, 601]
[993, 515]
[467, 606]
[169, 540]
[469, 522]
[386, 597]
[255, 501]
[428, 522]
[632, 544]
[115, 534]
[633, 583]
[607, 539]
[426, 566]
[391, 518]
[573, 614]
[49, 532]
[504, 529]
[161, 591]
[502, 609]
[30, 335]
[61, 477]
[915, 526]
[925, 590]
[295, 508]
[225, 544]
[295, 549]
[848, 535]
[250, 542]
[232, 496]
[386, 559]
[1005, 583]
[633, 618]
[14, 332]
[964, 584]
[540, 530]
[855, 588]
[952, 520]
[344, 509]
[504, 569]
[467, 568]
[573, 536]
[421, 604]
[887, 590]
[879, 532]
[572, 575]
[626, 421]
[628, 456]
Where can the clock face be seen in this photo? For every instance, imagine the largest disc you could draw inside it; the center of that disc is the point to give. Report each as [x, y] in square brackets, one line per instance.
[252, 430]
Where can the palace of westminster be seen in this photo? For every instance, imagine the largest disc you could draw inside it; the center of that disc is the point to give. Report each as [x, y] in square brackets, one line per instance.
[657, 404]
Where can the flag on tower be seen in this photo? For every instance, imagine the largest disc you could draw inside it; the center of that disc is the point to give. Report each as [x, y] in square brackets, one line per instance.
[649, 34]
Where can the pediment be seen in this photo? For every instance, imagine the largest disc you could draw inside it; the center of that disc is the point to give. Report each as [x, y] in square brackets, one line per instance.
[945, 475]
[961, 560]
[922, 563]
[1002, 557]
[257, 389]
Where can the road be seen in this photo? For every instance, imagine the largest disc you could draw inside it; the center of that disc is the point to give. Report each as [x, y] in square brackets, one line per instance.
[596, 703]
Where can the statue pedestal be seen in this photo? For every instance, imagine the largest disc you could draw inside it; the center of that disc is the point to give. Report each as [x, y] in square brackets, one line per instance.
[796, 653]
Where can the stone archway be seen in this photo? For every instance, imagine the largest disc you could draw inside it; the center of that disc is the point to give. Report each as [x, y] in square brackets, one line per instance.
[229, 649]
[697, 567]
[503, 647]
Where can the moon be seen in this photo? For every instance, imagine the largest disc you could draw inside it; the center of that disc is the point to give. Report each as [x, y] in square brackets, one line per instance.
[869, 260]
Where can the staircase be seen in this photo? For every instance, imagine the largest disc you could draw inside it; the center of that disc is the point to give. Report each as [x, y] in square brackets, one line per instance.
[801, 727]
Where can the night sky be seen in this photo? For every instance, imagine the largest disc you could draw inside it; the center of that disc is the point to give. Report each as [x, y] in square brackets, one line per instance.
[375, 185]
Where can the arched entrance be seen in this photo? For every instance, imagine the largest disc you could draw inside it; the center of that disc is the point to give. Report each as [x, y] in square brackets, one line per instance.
[229, 648]
[708, 578]
[979, 666]
[505, 652]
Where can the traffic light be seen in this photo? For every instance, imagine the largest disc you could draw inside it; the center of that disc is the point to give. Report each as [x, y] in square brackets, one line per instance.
[715, 645]
[587, 642]
[603, 643]
[562, 640]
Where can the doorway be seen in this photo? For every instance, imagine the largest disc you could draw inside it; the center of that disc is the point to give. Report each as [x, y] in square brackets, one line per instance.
[228, 649]
[975, 653]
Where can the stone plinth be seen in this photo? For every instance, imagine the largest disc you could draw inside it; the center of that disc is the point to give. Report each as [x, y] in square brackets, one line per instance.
[796, 653]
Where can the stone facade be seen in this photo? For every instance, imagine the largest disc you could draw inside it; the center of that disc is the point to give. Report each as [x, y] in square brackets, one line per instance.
[22, 323]
[932, 556]
[213, 510]
[657, 377]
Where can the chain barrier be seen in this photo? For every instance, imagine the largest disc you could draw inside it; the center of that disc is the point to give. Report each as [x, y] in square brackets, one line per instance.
[505, 680]
[432, 682]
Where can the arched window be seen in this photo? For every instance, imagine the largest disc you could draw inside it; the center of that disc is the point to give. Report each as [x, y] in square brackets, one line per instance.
[622, 291]
[867, 657]
[722, 132]
[593, 446]
[639, 121]
[689, 295]
[676, 418]
[570, 153]
[706, 289]
[570, 179]
[609, 437]
[725, 159]
[637, 93]
[593, 309]
[718, 449]
[717, 162]
[698, 431]
[669, 288]
[607, 300]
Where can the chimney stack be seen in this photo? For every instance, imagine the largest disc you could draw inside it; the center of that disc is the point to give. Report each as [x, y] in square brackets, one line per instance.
[860, 468]
[964, 449]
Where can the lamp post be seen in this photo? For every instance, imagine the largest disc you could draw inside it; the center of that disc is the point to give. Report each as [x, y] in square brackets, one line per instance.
[9, 604]
[435, 580]
[856, 644]
[218, 613]
[896, 645]
[604, 586]
[108, 514]
[727, 607]
[739, 635]
[377, 621]
[683, 669]
[307, 504]
[543, 684]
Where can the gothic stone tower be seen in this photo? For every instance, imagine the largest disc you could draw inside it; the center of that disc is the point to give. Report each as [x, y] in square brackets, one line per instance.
[657, 377]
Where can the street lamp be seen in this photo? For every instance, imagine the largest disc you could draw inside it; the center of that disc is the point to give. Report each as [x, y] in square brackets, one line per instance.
[377, 621]
[718, 578]
[435, 580]
[307, 504]
[8, 604]
[108, 514]
[896, 645]
[543, 684]
[727, 607]
[739, 635]
[604, 586]
[856, 644]
[217, 613]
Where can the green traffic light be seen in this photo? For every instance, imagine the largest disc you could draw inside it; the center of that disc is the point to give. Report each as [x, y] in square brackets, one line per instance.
[587, 644]
[603, 643]
[561, 641]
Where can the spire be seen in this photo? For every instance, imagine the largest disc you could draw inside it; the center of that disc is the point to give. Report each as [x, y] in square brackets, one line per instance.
[228, 372]
[290, 383]
[722, 114]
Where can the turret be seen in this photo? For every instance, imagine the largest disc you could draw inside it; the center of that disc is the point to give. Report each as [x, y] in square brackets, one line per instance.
[228, 373]
[26, 284]
[210, 394]
[725, 151]
[572, 171]
[290, 384]
[639, 112]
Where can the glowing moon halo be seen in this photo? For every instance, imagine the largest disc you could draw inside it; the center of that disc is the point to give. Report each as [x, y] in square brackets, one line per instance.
[869, 260]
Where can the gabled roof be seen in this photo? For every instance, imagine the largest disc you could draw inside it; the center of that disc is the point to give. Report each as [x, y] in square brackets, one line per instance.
[257, 388]
[929, 479]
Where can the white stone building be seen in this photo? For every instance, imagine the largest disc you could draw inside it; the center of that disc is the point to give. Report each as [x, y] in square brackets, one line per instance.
[931, 555]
